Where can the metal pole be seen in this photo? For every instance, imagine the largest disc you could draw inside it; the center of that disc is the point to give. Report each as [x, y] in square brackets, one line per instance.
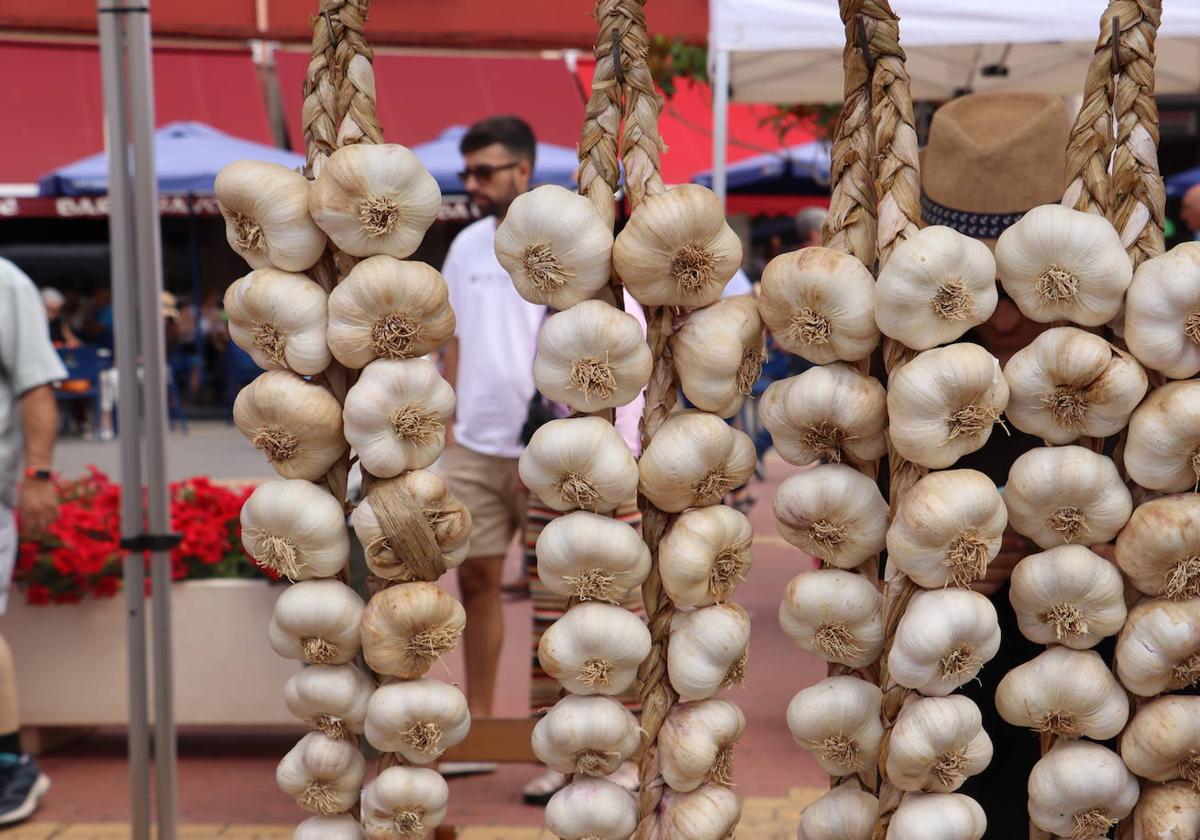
[125, 333]
[720, 122]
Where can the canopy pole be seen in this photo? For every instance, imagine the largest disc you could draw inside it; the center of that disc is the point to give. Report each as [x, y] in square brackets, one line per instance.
[720, 121]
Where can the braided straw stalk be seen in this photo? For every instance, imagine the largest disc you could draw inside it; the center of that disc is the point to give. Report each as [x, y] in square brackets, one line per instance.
[1091, 143]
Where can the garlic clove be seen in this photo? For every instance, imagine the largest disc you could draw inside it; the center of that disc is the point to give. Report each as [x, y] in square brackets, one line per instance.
[374, 199]
[589, 735]
[592, 808]
[817, 304]
[594, 649]
[833, 512]
[387, 308]
[316, 621]
[279, 319]
[835, 615]
[838, 721]
[1162, 741]
[405, 629]
[1159, 648]
[579, 463]
[936, 744]
[1167, 812]
[338, 827]
[418, 719]
[555, 247]
[705, 555]
[693, 460]
[937, 284]
[708, 650]
[1068, 596]
[1162, 312]
[323, 775]
[1162, 451]
[295, 529]
[1064, 692]
[1080, 790]
[331, 699]
[296, 424]
[404, 802]
[1159, 548]
[710, 812]
[946, 816]
[718, 353]
[265, 206]
[843, 813]
[591, 357]
[695, 744]
[591, 557]
[943, 639]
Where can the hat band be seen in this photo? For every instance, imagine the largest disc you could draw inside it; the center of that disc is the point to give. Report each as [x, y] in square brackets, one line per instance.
[977, 225]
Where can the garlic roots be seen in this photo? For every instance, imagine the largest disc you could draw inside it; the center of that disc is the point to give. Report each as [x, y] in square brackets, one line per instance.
[331, 699]
[1159, 649]
[323, 775]
[833, 512]
[695, 744]
[705, 556]
[579, 463]
[295, 529]
[937, 743]
[594, 649]
[316, 621]
[1080, 790]
[405, 629]
[591, 557]
[404, 802]
[296, 424]
[835, 615]
[708, 650]
[837, 720]
[419, 719]
[718, 353]
[279, 319]
[1067, 596]
[1159, 548]
[265, 206]
[943, 640]
[693, 460]
[590, 735]
[1064, 692]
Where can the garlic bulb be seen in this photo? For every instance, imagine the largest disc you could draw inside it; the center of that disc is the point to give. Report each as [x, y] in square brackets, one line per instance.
[937, 743]
[1162, 312]
[330, 698]
[424, 530]
[396, 414]
[1159, 649]
[945, 816]
[296, 424]
[1070, 693]
[718, 354]
[316, 621]
[265, 206]
[388, 309]
[1067, 596]
[591, 357]
[693, 460]
[1080, 790]
[1059, 264]
[555, 247]
[1167, 812]
[1163, 740]
[592, 808]
[323, 775]
[830, 413]
[937, 284]
[589, 735]
[419, 719]
[404, 802]
[695, 744]
[1066, 494]
[943, 639]
[579, 463]
[295, 529]
[591, 557]
[279, 319]
[1163, 448]
[677, 249]
[337, 827]
[1068, 383]
[947, 529]
[374, 199]
[707, 813]
[594, 649]
[705, 555]
[835, 615]
[943, 404]
[1159, 549]
[837, 720]
[709, 649]
[833, 512]
[406, 628]
[817, 304]
[842, 813]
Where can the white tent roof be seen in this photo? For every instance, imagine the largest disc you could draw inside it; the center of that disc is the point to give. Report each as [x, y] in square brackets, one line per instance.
[791, 50]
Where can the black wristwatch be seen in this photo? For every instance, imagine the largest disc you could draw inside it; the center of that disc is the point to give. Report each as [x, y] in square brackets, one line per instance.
[38, 475]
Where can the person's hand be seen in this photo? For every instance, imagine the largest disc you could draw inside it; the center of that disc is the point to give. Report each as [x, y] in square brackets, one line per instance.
[37, 506]
[1013, 549]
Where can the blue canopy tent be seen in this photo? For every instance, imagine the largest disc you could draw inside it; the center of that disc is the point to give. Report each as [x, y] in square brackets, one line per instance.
[1181, 182]
[554, 164]
[796, 170]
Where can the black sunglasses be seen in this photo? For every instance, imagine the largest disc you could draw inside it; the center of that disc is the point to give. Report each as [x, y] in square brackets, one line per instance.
[484, 171]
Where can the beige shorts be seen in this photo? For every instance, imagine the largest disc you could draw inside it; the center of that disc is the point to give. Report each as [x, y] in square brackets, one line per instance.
[487, 486]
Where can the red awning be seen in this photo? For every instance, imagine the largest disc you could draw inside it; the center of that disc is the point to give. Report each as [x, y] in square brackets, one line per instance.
[55, 106]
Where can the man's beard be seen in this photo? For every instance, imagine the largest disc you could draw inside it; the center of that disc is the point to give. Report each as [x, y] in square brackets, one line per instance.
[484, 206]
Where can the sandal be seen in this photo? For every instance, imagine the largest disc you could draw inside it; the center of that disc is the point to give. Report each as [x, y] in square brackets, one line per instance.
[539, 790]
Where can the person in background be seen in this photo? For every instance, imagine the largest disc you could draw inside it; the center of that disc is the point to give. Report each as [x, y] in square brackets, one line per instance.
[28, 423]
[98, 319]
[1189, 210]
[809, 223]
[61, 334]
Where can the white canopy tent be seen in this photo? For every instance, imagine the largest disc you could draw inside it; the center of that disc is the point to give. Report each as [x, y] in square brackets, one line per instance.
[785, 51]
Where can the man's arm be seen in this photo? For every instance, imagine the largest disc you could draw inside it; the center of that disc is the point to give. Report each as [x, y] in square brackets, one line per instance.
[37, 501]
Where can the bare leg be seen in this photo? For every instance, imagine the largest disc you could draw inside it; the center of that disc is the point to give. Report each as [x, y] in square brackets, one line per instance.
[479, 578]
[10, 720]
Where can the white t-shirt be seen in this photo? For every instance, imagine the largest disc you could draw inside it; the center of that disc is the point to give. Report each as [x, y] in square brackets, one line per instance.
[497, 336]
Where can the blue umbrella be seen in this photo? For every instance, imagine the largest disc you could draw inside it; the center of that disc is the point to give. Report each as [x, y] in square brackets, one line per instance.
[1180, 182]
[554, 164]
[796, 169]
[188, 156]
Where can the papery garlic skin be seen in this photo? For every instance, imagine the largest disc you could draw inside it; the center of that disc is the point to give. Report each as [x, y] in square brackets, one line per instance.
[833, 512]
[937, 743]
[1068, 596]
[265, 206]
[591, 357]
[1159, 548]
[944, 403]
[396, 414]
[1159, 649]
[279, 319]
[943, 640]
[707, 813]
[591, 807]
[405, 629]
[705, 555]
[708, 650]
[837, 720]
[1080, 789]
[842, 813]
[1060, 264]
[946, 816]
[419, 719]
[1064, 692]
[316, 621]
[295, 529]
[693, 460]
[555, 247]
[1167, 812]
[404, 802]
[323, 775]
[338, 827]
[1066, 494]
[695, 743]
[676, 249]
[579, 463]
[1162, 741]
[590, 735]
[296, 424]
[817, 304]
[594, 649]
[830, 413]
[1162, 312]
[937, 284]
[835, 615]
[1162, 451]
[330, 698]
[591, 557]
[948, 527]
[374, 199]
[718, 354]
[387, 308]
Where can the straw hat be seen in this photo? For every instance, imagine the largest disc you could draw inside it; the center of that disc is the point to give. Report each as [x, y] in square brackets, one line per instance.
[991, 157]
